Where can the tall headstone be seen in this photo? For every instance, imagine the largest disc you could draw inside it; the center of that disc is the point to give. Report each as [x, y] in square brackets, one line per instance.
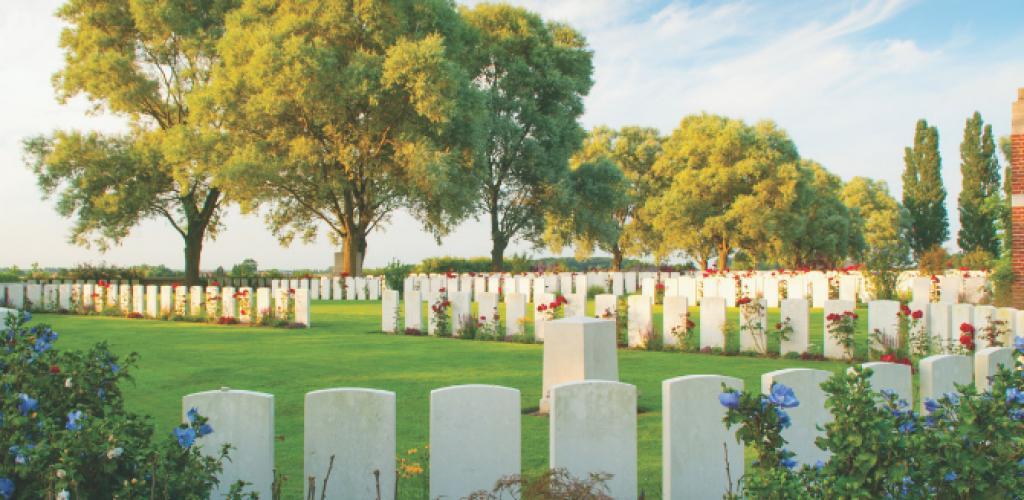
[629, 279]
[806, 417]
[819, 289]
[640, 323]
[848, 287]
[244, 420]
[262, 309]
[515, 314]
[357, 428]
[461, 312]
[578, 349]
[618, 284]
[152, 301]
[695, 445]
[833, 349]
[712, 322]
[983, 320]
[389, 311]
[413, 311]
[895, 377]
[302, 307]
[941, 373]
[921, 289]
[883, 317]
[771, 291]
[688, 288]
[796, 311]
[753, 322]
[487, 307]
[940, 324]
[593, 430]
[986, 365]
[673, 319]
[606, 306]
[950, 289]
[474, 438]
[576, 304]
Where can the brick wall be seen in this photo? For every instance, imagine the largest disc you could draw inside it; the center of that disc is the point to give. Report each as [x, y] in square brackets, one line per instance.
[1017, 202]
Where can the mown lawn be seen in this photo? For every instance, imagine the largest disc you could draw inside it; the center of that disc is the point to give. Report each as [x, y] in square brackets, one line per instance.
[345, 349]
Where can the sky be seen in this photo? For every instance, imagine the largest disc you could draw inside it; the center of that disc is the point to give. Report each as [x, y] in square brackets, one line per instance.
[847, 79]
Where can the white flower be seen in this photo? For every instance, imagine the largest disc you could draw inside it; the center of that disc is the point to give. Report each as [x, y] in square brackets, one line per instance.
[67, 382]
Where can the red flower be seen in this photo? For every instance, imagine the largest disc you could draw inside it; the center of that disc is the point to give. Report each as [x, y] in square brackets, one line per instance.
[54, 369]
[344, 275]
[966, 340]
[442, 289]
[888, 358]
[291, 291]
[833, 317]
[542, 307]
[778, 326]
[966, 328]
[904, 309]
[905, 361]
[918, 314]
[215, 283]
[743, 301]
[659, 286]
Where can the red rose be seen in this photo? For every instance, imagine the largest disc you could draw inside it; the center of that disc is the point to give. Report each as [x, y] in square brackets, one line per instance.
[918, 314]
[966, 328]
[905, 361]
[904, 309]
[442, 290]
[542, 307]
[54, 369]
[215, 283]
[966, 340]
[778, 326]
[888, 358]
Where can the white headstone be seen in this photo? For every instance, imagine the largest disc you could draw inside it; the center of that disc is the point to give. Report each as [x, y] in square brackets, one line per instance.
[695, 445]
[848, 287]
[771, 291]
[673, 318]
[262, 309]
[986, 365]
[808, 415]
[983, 320]
[629, 279]
[940, 324]
[949, 289]
[593, 430]
[357, 428]
[152, 301]
[753, 321]
[461, 312]
[833, 350]
[712, 322]
[799, 317]
[819, 289]
[389, 312]
[302, 307]
[895, 377]
[578, 349]
[515, 314]
[487, 307]
[474, 438]
[883, 316]
[640, 323]
[576, 304]
[413, 311]
[940, 373]
[245, 420]
[618, 284]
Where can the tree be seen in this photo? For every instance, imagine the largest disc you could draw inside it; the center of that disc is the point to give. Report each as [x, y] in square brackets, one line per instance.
[924, 196]
[633, 151]
[718, 181]
[245, 269]
[881, 219]
[345, 112]
[596, 193]
[143, 61]
[1007, 223]
[980, 195]
[533, 75]
[818, 230]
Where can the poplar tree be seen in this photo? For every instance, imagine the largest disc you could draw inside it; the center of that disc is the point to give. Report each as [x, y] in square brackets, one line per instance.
[981, 193]
[924, 196]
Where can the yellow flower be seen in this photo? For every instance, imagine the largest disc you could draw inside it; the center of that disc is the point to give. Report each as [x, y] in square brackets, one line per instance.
[411, 451]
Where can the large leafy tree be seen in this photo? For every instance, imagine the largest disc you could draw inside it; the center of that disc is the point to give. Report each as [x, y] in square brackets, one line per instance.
[882, 221]
[596, 192]
[533, 75]
[980, 194]
[632, 150]
[143, 61]
[344, 112]
[818, 230]
[717, 182]
[924, 196]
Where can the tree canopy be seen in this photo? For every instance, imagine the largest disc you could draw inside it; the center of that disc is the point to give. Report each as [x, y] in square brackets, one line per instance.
[924, 195]
[980, 194]
[143, 61]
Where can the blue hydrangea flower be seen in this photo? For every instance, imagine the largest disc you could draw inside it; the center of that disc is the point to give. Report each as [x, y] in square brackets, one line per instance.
[205, 429]
[26, 404]
[819, 465]
[186, 436]
[74, 421]
[788, 463]
[6, 488]
[1018, 344]
[728, 399]
[931, 404]
[953, 397]
[19, 454]
[1014, 395]
[907, 427]
[783, 396]
[192, 414]
[114, 368]
[1017, 413]
[950, 476]
[784, 419]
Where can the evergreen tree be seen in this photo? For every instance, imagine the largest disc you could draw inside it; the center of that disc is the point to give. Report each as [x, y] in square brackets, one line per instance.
[924, 196]
[981, 193]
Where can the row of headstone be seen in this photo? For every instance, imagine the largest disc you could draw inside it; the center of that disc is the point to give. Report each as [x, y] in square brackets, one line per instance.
[816, 286]
[335, 288]
[245, 305]
[475, 430]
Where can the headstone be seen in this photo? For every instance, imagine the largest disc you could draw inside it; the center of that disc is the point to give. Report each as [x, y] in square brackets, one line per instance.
[16, 297]
[727, 290]
[357, 428]
[883, 317]
[152, 301]
[983, 320]
[580, 282]
[302, 307]
[138, 299]
[940, 324]
[34, 296]
[606, 306]
[895, 377]
[389, 312]
[195, 301]
[64, 297]
[515, 314]
[712, 322]
[832, 348]
[799, 317]
[314, 289]
[986, 365]
[647, 287]
[576, 304]
[244, 420]
[640, 323]
[360, 284]
[578, 349]
[336, 289]
[753, 321]
[565, 283]
[166, 300]
[671, 287]
[350, 287]
[540, 317]
[819, 289]
[228, 304]
[974, 289]
[688, 289]
[618, 284]
[474, 438]
[848, 287]
[921, 289]
[413, 311]
[629, 279]
[949, 289]
[808, 415]
[593, 430]
[461, 312]
[940, 373]
[539, 289]
[673, 319]
[1008, 317]
[262, 309]
[695, 444]
[796, 287]
[487, 307]
[771, 291]
[523, 286]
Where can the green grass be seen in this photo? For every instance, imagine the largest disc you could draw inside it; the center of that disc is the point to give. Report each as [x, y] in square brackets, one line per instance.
[345, 349]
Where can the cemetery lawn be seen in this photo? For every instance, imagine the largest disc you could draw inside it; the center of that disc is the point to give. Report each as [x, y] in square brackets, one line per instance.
[345, 349]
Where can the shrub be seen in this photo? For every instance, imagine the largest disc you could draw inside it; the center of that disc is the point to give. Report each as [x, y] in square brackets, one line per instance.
[66, 429]
[964, 446]
[975, 259]
[395, 273]
[933, 261]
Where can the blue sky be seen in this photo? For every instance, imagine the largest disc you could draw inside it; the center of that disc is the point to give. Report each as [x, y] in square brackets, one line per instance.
[846, 79]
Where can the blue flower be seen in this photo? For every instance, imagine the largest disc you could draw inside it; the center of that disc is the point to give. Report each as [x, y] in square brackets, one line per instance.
[819, 465]
[193, 413]
[74, 423]
[728, 399]
[1014, 395]
[1017, 413]
[19, 455]
[1018, 344]
[788, 463]
[950, 476]
[186, 436]
[783, 396]
[784, 419]
[205, 429]
[26, 404]
[6, 488]
[26, 317]
[114, 368]
[907, 427]
[953, 397]
[931, 404]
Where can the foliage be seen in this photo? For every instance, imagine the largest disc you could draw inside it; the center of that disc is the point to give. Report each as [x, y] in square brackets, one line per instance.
[964, 446]
[842, 327]
[246, 268]
[441, 319]
[882, 269]
[924, 196]
[933, 261]
[717, 181]
[66, 427]
[883, 222]
[552, 484]
[360, 109]
[752, 312]
[144, 62]
[533, 76]
[980, 196]
[588, 208]
[395, 273]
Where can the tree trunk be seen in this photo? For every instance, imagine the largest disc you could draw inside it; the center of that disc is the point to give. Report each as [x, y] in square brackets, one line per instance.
[351, 249]
[498, 240]
[193, 252]
[723, 258]
[498, 255]
[616, 258]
